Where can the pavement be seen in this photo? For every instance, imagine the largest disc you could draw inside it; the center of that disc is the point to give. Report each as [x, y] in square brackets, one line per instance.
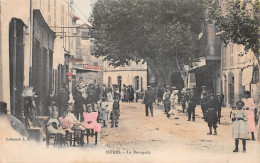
[143, 139]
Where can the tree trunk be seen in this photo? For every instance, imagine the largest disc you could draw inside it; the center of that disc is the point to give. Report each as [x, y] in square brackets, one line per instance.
[155, 71]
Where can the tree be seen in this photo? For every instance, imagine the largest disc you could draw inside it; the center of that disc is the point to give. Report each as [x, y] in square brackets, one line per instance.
[163, 33]
[241, 24]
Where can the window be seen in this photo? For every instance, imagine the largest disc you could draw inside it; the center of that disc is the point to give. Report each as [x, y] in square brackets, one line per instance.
[255, 79]
[85, 36]
[231, 48]
[136, 82]
[231, 61]
[49, 6]
[224, 64]
[109, 80]
[62, 14]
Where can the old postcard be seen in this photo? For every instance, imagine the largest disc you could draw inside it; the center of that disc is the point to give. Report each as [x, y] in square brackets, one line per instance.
[129, 81]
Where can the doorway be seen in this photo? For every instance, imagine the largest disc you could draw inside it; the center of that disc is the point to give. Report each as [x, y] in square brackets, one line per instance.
[16, 65]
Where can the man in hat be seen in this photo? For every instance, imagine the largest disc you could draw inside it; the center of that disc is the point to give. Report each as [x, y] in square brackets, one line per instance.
[211, 109]
[204, 99]
[16, 124]
[191, 105]
[148, 101]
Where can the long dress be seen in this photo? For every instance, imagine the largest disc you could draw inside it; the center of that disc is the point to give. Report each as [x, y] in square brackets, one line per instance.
[249, 103]
[174, 102]
[239, 125]
[91, 117]
[103, 111]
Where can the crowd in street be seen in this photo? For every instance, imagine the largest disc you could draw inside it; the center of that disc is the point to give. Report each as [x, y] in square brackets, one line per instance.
[93, 107]
[244, 115]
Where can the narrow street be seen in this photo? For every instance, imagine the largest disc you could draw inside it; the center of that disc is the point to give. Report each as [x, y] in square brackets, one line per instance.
[179, 137]
[144, 139]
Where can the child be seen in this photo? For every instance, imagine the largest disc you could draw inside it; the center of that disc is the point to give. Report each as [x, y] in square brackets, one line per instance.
[90, 119]
[77, 125]
[249, 108]
[103, 111]
[174, 102]
[53, 124]
[115, 113]
[239, 125]
[210, 113]
[66, 123]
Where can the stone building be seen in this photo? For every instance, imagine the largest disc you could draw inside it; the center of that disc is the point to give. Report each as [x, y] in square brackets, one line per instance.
[134, 74]
[33, 48]
[92, 67]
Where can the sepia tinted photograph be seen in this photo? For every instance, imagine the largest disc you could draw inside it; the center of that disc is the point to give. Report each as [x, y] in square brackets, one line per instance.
[118, 81]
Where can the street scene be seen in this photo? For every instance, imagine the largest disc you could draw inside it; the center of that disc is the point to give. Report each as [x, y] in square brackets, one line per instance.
[129, 81]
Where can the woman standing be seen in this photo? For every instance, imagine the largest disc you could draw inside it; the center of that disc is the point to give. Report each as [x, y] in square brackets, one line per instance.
[250, 112]
[239, 125]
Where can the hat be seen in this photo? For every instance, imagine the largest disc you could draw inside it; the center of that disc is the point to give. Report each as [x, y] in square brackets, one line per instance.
[148, 86]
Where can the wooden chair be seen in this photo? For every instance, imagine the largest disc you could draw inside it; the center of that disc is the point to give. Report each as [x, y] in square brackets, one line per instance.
[57, 137]
[77, 137]
[90, 132]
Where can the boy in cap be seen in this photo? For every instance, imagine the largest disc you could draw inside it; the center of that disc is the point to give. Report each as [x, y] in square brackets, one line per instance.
[115, 113]
[211, 109]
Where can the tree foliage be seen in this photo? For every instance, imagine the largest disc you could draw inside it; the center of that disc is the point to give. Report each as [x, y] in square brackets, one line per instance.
[163, 33]
[241, 22]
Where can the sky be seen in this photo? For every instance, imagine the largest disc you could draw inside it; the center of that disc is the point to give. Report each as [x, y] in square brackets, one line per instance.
[85, 7]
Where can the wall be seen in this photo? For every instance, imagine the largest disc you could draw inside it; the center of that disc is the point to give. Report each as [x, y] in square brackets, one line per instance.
[127, 73]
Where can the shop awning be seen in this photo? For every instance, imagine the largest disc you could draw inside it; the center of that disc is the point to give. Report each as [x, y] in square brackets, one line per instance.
[87, 68]
[247, 75]
[91, 67]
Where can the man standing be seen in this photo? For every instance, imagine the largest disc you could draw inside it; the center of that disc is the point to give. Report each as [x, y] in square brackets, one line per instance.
[191, 105]
[148, 101]
[203, 97]
[211, 116]
[115, 113]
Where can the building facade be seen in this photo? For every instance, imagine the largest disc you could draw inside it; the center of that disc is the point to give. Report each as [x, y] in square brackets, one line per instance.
[33, 49]
[134, 74]
[240, 69]
[93, 66]
[240, 73]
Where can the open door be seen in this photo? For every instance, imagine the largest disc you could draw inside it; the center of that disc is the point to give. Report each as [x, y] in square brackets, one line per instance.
[16, 65]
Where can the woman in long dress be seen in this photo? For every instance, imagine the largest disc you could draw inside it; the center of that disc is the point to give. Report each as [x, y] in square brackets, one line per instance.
[239, 125]
[250, 112]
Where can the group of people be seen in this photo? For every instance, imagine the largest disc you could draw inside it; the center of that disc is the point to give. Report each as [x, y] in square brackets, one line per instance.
[243, 120]
[127, 93]
[243, 114]
[68, 122]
